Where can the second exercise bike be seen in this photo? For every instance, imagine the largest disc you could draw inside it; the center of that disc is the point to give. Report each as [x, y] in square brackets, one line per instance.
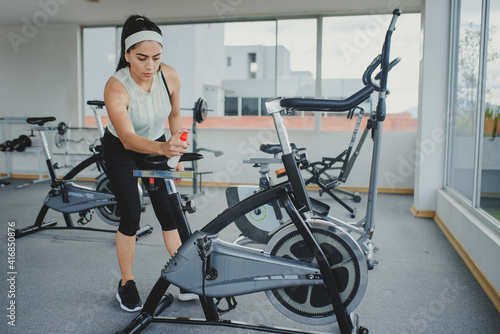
[69, 197]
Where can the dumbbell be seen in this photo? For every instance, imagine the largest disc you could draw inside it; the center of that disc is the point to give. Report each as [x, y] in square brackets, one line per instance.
[20, 144]
[4, 146]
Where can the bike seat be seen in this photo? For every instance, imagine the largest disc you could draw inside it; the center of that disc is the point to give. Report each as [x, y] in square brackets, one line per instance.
[274, 148]
[39, 120]
[96, 103]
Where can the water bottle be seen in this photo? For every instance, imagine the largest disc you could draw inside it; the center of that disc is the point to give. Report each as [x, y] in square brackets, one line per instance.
[173, 161]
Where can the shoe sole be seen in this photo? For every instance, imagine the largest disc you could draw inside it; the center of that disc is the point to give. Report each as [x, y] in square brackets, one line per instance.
[125, 308]
[186, 297]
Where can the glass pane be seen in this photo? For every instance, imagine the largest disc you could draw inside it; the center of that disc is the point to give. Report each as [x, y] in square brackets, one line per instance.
[490, 174]
[249, 106]
[249, 69]
[197, 52]
[461, 173]
[231, 106]
[99, 63]
[349, 45]
[297, 65]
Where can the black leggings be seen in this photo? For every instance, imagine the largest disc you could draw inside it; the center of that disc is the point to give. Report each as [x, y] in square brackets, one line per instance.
[120, 164]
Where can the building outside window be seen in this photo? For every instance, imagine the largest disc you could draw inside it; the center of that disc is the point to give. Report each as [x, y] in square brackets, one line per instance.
[231, 106]
[250, 106]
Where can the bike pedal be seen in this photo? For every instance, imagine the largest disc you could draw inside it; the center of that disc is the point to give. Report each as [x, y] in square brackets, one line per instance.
[190, 207]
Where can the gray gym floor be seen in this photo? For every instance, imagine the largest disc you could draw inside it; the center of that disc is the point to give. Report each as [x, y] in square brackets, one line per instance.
[66, 281]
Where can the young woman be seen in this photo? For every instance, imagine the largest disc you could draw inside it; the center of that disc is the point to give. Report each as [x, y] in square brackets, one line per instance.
[140, 97]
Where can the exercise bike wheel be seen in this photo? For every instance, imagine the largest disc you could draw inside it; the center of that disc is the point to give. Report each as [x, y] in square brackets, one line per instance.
[311, 304]
[109, 213]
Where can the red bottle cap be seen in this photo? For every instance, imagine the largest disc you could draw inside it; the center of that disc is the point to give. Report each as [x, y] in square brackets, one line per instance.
[184, 136]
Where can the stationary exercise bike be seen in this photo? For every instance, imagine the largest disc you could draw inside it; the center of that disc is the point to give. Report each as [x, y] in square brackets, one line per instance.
[68, 197]
[259, 224]
[311, 270]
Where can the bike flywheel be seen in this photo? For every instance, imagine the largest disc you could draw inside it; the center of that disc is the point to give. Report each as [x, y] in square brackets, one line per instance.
[311, 304]
[109, 213]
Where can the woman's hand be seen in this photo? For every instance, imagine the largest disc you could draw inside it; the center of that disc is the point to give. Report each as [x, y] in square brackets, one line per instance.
[174, 146]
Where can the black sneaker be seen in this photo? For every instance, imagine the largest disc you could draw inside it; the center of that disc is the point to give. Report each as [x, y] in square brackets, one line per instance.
[128, 296]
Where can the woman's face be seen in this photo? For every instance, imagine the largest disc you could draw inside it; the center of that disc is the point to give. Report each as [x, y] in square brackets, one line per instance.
[144, 60]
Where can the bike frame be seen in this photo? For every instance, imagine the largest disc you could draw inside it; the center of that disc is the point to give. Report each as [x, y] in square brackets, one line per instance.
[292, 195]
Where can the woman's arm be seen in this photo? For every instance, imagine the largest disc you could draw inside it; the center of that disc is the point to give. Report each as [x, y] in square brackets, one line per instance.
[117, 100]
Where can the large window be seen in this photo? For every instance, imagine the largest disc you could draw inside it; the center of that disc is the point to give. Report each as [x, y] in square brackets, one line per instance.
[99, 63]
[296, 58]
[474, 147]
[237, 66]
[350, 44]
[490, 162]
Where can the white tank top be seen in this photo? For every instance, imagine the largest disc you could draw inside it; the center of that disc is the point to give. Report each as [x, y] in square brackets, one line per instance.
[147, 111]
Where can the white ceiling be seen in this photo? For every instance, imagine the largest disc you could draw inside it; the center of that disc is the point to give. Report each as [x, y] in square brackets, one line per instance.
[107, 12]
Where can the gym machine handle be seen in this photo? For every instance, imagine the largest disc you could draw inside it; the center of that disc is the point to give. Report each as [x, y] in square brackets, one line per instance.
[381, 105]
[393, 63]
[328, 105]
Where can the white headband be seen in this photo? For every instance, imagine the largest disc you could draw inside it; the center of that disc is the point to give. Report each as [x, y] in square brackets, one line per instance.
[144, 35]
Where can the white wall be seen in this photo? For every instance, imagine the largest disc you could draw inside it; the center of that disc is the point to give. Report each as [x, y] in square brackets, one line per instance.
[433, 88]
[40, 76]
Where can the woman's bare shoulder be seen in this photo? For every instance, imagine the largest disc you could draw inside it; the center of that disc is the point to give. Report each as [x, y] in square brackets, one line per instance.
[115, 93]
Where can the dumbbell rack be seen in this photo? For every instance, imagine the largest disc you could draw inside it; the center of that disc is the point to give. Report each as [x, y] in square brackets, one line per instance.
[37, 150]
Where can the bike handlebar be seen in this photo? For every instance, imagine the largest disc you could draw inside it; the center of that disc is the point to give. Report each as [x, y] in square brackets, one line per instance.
[381, 106]
[328, 105]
